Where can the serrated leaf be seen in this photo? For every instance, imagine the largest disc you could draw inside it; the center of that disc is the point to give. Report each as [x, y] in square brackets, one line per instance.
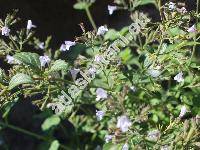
[54, 145]
[59, 65]
[27, 58]
[50, 122]
[18, 79]
[80, 5]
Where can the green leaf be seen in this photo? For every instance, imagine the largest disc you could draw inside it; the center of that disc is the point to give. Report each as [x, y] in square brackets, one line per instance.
[54, 145]
[59, 65]
[125, 55]
[18, 79]
[50, 122]
[111, 35]
[80, 5]
[27, 58]
[175, 31]
[111, 146]
[145, 2]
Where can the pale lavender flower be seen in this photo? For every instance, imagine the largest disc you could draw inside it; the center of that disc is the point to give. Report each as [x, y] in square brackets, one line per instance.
[165, 147]
[125, 147]
[30, 25]
[182, 10]
[63, 47]
[154, 73]
[44, 60]
[99, 114]
[10, 59]
[108, 138]
[192, 29]
[183, 111]
[172, 6]
[74, 73]
[67, 45]
[102, 30]
[133, 88]
[154, 135]
[5, 31]
[98, 58]
[92, 70]
[123, 123]
[179, 77]
[111, 9]
[101, 94]
[41, 45]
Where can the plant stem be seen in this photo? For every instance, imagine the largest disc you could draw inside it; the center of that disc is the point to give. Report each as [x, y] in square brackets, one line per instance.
[23, 131]
[160, 9]
[30, 133]
[90, 18]
[47, 98]
[195, 38]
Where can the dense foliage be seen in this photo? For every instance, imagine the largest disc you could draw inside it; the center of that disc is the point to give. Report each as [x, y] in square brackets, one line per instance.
[146, 96]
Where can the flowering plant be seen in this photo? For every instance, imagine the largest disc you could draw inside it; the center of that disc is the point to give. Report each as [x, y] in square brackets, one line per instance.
[137, 88]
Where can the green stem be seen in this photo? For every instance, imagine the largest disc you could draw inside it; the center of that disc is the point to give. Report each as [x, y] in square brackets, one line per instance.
[31, 134]
[47, 98]
[23, 131]
[195, 38]
[90, 18]
[160, 9]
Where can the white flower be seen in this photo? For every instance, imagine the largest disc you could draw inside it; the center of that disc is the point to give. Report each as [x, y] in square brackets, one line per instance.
[5, 31]
[98, 58]
[101, 94]
[154, 73]
[74, 73]
[182, 10]
[133, 88]
[192, 29]
[30, 25]
[123, 123]
[10, 59]
[63, 47]
[125, 146]
[179, 77]
[67, 45]
[172, 6]
[99, 114]
[183, 111]
[108, 138]
[44, 60]
[41, 45]
[92, 70]
[154, 135]
[165, 147]
[111, 9]
[102, 30]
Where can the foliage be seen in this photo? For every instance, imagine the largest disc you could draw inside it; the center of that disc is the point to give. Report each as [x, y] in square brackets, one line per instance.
[153, 83]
